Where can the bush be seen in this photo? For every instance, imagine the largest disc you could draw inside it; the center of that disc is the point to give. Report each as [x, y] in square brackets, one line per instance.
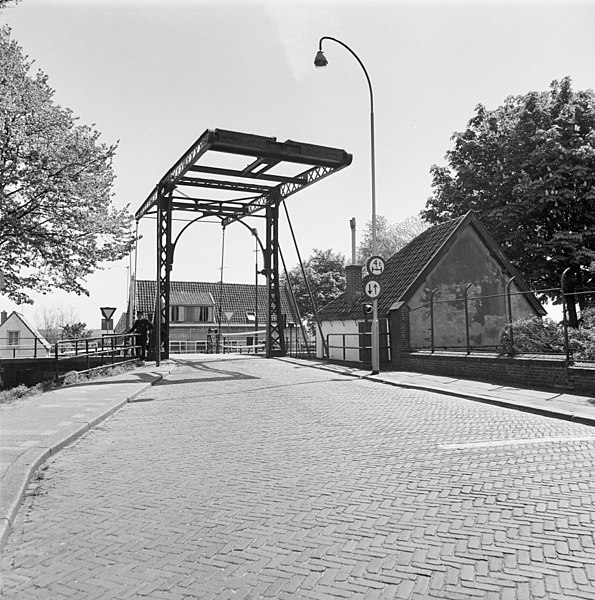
[582, 340]
[21, 391]
[533, 336]
[544, 336]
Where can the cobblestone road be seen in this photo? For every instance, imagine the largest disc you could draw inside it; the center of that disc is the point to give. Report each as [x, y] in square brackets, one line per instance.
[242, 477]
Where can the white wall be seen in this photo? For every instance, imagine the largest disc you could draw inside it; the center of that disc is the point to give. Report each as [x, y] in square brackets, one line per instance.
[338, 329]
[26, 346]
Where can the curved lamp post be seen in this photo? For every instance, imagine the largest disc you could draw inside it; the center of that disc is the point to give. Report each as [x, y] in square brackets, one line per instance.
[321, 61]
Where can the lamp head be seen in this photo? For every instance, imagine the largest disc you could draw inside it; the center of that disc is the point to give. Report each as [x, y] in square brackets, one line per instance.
[320, 60]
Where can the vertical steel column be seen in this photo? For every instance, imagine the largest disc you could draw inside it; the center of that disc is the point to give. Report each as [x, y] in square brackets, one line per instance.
[275, 343]
[164, 251]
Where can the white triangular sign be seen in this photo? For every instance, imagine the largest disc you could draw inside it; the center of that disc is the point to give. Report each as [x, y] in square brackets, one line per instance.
[107, 312]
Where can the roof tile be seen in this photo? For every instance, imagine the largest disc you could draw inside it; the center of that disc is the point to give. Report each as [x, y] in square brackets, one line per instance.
[401, 271]
[238, 298]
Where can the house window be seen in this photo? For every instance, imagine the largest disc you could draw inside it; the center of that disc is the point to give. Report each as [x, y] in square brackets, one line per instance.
[13, 338]
[250, 316]
[176, 314]
[191, 314]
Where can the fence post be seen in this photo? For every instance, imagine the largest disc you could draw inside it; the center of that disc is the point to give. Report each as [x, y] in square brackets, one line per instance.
[87, 352]
[509, 306]
[467, 317]
[432, 318]
[564, 316]
[56, 360]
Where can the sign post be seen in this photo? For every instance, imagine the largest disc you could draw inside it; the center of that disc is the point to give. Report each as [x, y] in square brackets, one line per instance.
[108, 313]
[372, 289]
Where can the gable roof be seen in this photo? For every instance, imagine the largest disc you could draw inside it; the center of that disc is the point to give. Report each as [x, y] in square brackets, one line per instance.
[406, 269]
[237, 298]
[34, 331]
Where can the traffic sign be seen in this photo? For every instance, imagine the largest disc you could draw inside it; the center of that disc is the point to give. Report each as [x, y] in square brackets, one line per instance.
[228, 315]
[375, 265]
[107, 312]
[372, 288]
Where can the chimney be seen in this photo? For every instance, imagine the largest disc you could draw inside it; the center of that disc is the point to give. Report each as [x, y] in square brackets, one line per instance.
[3, 317]
[353, 272]
[353, 283]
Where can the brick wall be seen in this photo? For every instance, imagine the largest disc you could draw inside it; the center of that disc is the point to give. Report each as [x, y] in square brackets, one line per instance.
[532, 372]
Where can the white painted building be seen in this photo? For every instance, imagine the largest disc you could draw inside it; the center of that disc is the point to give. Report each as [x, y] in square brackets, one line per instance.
[20, 339]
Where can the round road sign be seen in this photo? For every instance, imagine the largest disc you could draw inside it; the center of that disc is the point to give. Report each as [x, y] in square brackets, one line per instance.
[372, 289]
[375, 265]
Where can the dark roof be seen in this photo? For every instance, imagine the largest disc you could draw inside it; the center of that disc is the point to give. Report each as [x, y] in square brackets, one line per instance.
[238, 298]
[411, 264]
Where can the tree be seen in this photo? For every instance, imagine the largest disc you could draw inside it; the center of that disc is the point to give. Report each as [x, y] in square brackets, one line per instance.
[51, 320]
[325, 271]
[75, 331]
[528, 169]
[389, 238]
[57, 221]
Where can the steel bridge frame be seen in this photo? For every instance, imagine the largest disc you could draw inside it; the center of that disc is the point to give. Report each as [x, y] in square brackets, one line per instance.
[252, 189]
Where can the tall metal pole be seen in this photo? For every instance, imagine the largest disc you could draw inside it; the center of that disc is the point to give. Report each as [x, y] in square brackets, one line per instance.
[255, 234]
[320, 61]
[565, 314]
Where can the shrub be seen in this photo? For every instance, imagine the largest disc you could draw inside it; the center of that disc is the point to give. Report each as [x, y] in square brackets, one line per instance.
[582, 340]
[544, 336]
[533, 336]
[21, 391]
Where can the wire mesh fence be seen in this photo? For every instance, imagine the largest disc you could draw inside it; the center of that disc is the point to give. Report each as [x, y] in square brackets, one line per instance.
[503, 323]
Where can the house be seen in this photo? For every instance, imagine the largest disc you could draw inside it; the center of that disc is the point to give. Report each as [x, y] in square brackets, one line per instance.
[423, 300]
[200, 309]
[20, 339]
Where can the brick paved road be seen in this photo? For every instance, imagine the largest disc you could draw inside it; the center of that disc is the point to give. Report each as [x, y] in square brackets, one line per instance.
[246, 478]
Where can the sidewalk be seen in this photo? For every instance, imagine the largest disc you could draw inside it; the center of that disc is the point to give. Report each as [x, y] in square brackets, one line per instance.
[33, 429]
[559, 405]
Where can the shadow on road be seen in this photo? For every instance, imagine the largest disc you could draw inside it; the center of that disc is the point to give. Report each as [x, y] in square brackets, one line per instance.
[210, 374]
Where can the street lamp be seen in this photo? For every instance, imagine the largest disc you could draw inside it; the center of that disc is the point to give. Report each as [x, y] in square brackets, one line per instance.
[321, 61]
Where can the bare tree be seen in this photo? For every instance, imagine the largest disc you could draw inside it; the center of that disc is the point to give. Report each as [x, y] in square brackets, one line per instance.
[51, 320]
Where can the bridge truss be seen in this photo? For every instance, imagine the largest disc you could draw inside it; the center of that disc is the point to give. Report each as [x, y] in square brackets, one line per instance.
[232, 176]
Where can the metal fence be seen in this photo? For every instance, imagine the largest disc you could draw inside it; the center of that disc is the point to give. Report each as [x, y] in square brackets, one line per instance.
[23, 348]
[188, 346]
[357, 347]
[464, 305]
[87, 354]
[255, 343]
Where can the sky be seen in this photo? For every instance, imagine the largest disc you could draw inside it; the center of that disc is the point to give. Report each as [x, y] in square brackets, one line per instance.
[154, 75]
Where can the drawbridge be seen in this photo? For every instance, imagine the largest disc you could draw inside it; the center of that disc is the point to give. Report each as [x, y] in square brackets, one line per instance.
[234, 176]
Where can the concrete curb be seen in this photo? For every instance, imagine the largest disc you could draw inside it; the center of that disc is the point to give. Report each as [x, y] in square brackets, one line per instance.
[530, 407]
[555, 413]
[21, 472]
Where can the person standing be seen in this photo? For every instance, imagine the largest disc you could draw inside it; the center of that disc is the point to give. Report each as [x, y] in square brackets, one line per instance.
[141, 327]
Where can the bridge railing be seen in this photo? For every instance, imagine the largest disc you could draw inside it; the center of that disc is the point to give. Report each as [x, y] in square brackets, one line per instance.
[86, 354]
